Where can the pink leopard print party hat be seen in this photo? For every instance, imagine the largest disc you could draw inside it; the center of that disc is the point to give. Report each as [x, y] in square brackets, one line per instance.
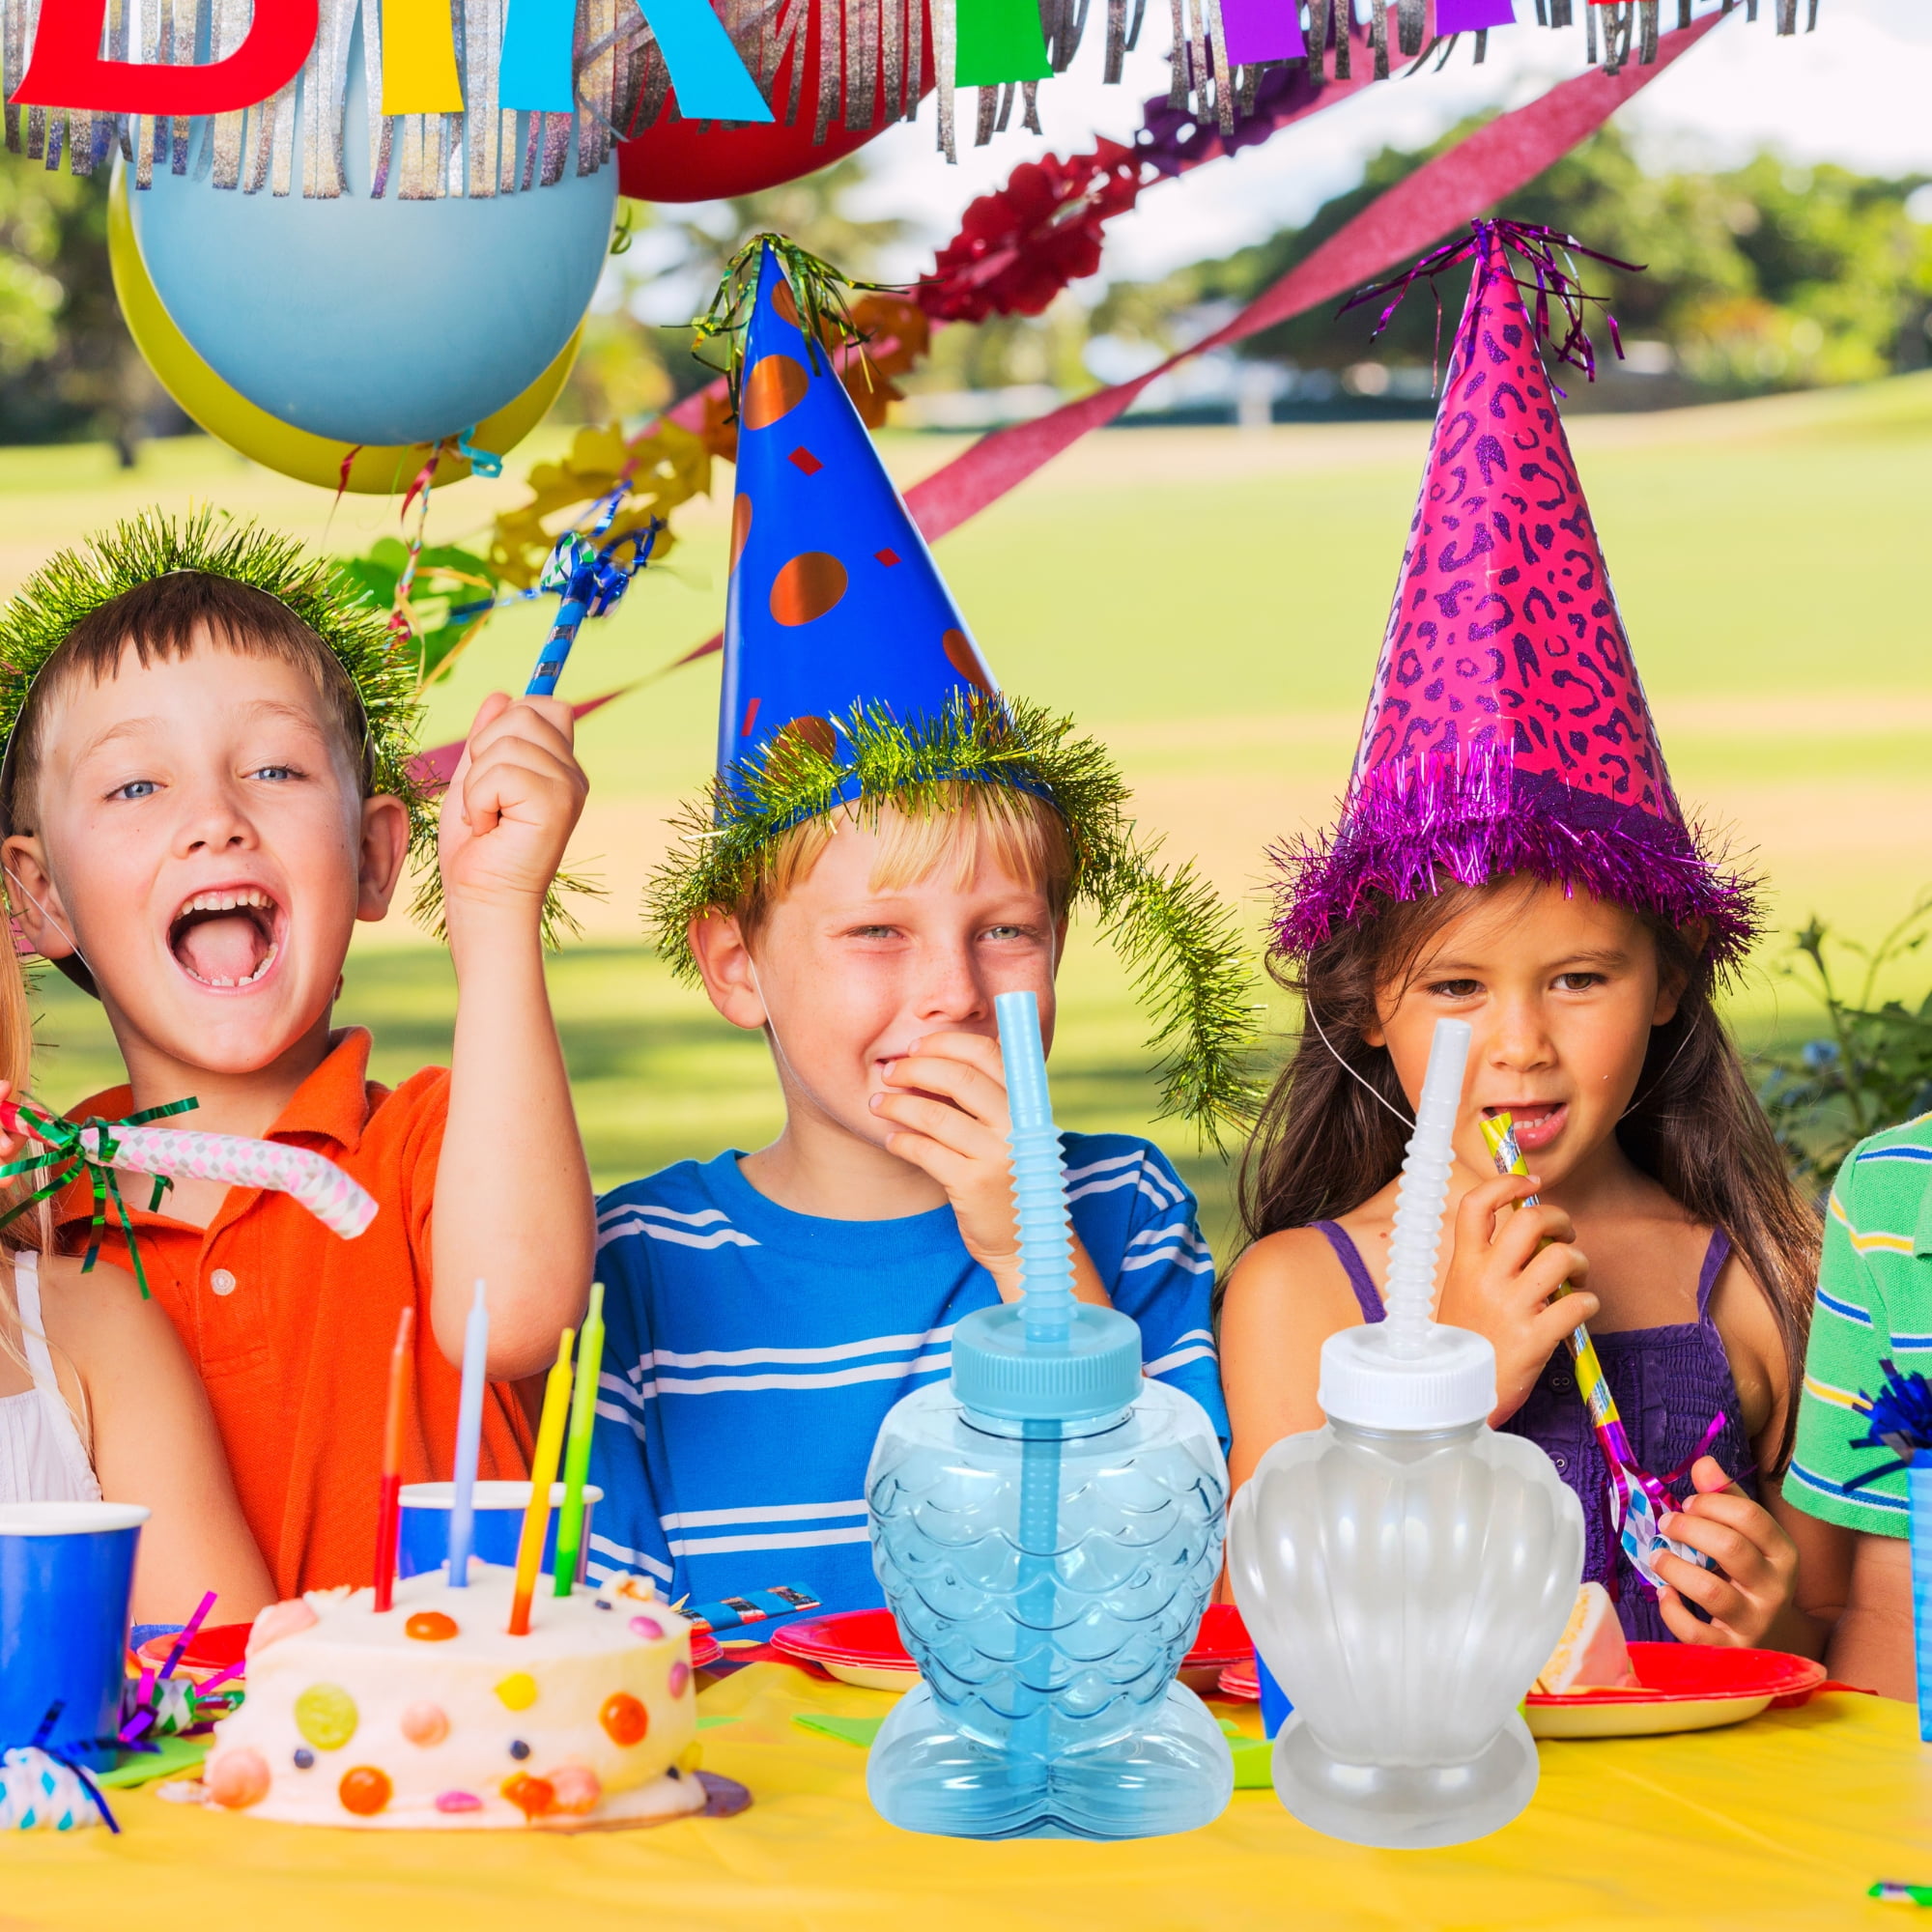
[1507, 732]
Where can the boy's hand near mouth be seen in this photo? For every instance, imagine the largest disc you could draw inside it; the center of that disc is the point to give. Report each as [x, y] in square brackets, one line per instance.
[946, 1103]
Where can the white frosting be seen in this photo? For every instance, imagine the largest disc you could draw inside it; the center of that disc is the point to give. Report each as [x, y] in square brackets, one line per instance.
[353, 1693]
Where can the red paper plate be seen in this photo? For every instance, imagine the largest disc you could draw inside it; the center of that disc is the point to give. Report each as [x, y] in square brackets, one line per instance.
[1681, 1686]
[1678, 1681]
[1242, 1680]
[215, 1647]
[1221, 1641]
[864, 1646]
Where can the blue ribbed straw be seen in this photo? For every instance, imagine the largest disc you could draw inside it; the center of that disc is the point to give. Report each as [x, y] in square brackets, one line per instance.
[1040, 1177]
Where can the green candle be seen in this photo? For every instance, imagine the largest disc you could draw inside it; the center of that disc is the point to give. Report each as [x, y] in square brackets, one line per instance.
[577, 1452]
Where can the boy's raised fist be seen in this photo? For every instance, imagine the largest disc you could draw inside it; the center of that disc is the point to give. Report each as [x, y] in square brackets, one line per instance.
[514, 800]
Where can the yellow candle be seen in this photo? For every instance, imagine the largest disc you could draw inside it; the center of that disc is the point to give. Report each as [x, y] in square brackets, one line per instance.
[542, 1473]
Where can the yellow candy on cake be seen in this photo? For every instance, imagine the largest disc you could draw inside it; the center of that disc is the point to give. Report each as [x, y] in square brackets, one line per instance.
[432, 1716]
[1591, 1655]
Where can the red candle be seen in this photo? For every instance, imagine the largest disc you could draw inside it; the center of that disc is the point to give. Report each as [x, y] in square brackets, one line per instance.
[390, 1517]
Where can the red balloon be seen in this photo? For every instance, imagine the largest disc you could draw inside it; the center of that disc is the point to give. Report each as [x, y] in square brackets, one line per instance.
[696, 160]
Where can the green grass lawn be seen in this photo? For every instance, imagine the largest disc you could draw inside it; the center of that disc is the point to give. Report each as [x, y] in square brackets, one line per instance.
[1210, 601]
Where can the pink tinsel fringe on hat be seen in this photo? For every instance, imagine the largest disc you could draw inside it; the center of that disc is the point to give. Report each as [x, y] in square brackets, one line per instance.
[1471, 815]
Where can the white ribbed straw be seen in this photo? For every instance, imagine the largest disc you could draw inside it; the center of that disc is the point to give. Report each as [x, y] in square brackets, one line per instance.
[1424, 1192]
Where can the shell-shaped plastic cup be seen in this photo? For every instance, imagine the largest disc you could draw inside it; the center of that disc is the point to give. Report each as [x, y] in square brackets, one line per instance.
[424, 1542]
[66, 1574]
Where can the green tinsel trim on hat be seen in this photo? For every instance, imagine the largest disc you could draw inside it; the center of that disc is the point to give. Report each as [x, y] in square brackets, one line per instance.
[1181, 945]
[818, 292]
[74, 583]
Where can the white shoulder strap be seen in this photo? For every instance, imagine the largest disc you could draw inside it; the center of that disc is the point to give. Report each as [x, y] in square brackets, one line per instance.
[33, 1331]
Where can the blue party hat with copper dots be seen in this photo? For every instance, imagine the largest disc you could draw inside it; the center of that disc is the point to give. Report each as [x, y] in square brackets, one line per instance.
[852, 683]
[834, 599]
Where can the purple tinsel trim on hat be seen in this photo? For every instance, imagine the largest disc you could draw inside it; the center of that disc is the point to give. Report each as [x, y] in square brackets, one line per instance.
[1471, 816]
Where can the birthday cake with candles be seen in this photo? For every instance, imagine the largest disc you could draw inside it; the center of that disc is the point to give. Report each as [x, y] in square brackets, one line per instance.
[431, 1716]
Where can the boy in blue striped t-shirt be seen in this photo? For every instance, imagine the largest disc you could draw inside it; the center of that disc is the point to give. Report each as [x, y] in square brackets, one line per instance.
[765, 1310]
[864, 878]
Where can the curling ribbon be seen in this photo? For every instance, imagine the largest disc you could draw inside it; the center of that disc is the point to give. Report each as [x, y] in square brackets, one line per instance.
[484, 463]
[68, 1155]
[999, 41]
[591, 580]
[43, 1789]
[1547, 256]
[1269, 30]
[419, 59]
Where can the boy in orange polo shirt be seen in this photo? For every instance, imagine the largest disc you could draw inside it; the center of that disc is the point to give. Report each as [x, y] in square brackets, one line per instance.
[205, 785]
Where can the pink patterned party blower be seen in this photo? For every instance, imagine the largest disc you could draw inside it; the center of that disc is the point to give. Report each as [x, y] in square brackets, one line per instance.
[343, 1205]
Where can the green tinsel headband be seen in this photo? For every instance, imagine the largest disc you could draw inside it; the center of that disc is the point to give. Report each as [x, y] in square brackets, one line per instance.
[74, 583]
[1180, 941]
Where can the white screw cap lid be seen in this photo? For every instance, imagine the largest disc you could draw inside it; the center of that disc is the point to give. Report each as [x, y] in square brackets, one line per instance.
[1451, 1384]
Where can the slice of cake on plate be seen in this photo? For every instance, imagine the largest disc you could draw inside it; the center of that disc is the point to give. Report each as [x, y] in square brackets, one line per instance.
[1591, 1655]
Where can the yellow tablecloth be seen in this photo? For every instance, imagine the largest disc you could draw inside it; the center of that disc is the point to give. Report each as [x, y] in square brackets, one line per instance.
[1780, 1822]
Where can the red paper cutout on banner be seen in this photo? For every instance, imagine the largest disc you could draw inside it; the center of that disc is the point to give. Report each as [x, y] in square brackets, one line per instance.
[67, 69]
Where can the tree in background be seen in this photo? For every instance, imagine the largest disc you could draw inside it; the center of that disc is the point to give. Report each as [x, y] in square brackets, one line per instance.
[68, 369]
[1767, 276]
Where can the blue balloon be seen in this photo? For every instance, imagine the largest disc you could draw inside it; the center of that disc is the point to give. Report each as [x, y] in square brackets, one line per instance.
[376, 321]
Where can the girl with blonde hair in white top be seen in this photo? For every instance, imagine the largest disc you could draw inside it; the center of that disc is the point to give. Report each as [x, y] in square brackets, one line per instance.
[97, 1399]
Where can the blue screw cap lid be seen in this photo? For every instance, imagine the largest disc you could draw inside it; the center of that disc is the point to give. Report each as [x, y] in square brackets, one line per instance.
[1094, 1371]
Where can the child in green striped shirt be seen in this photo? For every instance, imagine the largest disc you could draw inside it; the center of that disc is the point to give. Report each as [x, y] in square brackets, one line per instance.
[1874, 1302]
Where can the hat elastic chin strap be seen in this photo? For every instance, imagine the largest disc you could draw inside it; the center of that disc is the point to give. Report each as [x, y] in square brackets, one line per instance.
[771, 1025]
[74, 968]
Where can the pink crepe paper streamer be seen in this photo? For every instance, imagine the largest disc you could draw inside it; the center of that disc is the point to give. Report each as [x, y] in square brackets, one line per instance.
[434, 768]
[343, 1205]
[1495, 160]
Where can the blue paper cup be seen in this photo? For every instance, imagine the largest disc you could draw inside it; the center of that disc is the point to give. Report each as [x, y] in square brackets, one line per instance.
[66, 1572]
[1275, 1706]
[424, 1542]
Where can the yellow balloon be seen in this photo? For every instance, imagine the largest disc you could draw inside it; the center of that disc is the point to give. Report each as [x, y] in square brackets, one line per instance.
[243, 426]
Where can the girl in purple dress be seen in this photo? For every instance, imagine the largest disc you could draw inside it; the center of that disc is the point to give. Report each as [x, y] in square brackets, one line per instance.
[1511, 853]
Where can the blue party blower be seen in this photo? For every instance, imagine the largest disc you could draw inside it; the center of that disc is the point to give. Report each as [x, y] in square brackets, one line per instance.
[66, 1574]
